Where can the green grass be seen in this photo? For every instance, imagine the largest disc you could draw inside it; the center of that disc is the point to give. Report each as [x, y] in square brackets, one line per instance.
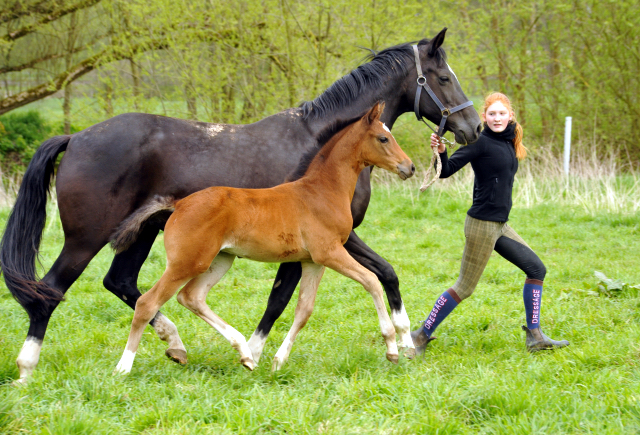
[476, 378]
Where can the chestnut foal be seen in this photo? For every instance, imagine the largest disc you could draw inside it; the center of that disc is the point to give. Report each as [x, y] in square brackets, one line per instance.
[307, 220]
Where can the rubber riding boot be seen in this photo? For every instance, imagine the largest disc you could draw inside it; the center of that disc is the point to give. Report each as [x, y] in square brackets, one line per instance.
[420, 339]
[536, 341]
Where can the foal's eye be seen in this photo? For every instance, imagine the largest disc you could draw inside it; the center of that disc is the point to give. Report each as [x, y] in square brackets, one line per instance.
[383, 139]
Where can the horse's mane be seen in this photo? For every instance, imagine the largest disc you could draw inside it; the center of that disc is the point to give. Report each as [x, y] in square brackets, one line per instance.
[393, 60]
[323, 138]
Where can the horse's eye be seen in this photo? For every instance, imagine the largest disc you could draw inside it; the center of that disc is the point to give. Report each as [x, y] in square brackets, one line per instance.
[383, 139]
[444, 79]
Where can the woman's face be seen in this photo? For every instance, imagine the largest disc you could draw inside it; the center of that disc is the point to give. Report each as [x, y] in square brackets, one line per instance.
[497, 117]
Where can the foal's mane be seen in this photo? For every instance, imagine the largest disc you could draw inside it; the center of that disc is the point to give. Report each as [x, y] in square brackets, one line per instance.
[324, 138]
[390, 62]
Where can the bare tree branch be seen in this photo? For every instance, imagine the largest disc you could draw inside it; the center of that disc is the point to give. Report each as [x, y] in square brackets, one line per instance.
[83, 4]
[19, 10]
[110, 54]
[44, 58]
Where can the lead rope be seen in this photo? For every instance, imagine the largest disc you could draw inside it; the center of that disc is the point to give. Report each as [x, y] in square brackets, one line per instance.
[435, 158]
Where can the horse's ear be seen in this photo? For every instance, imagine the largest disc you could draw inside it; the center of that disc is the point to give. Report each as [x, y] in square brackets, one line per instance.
[437, 42]
[375, 112]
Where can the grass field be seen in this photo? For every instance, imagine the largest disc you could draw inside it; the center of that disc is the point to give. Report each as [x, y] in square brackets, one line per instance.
[476, 378]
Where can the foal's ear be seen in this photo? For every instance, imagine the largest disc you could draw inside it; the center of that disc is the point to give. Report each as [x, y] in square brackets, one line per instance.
[375, 112]
[437, 42]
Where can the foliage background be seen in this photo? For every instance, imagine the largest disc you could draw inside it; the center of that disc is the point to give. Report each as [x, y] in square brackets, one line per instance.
[237, 62]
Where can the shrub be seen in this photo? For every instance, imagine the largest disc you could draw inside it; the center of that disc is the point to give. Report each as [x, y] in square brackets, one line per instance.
[20, 136]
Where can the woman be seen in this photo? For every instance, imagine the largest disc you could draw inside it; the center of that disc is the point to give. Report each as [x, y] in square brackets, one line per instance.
[494, 159]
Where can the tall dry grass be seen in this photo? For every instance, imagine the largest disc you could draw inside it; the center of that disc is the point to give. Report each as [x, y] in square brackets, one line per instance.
[9, 186]
[594, 183]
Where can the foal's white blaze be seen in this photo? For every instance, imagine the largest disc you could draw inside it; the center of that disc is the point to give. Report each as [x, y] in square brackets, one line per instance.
[454, 74]
[126, 362]
[402, 325]
[386, 128]
[28, 357]
[256, 345]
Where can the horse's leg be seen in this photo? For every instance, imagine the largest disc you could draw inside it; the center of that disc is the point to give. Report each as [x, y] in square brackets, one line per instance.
[73, 259]
[122, 278]
[146, 308]
[284, 285]
[311, 276]
[194, 297]
[387, 276]
[339, 260]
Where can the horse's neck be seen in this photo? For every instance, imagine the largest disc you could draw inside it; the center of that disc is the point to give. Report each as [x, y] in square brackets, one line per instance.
[335, 170]
[390, 94]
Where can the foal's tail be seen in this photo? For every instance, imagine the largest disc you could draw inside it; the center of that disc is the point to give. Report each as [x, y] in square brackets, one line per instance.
[20, 244]
[130, 228]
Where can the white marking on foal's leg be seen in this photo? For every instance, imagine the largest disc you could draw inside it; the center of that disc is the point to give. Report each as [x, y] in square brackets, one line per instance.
[256, 345]
[126, 362]
[402, 324]
[283, 353]
[28, 358]
[168, 332]
[239, 343]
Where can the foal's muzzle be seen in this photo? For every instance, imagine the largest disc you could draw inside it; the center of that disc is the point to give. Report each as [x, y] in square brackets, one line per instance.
[406, 169]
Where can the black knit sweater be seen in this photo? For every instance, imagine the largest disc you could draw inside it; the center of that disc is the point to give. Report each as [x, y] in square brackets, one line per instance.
[493, 159]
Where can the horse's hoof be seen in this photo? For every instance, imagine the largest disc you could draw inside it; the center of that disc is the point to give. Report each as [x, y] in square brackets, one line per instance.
[276, 365]
[20, 382]
[410, 353]
[393, 358]
[248, 363]
[177, 355]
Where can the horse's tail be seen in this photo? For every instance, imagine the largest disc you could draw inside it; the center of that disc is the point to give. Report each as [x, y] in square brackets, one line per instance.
[130, 228]
[21, 240]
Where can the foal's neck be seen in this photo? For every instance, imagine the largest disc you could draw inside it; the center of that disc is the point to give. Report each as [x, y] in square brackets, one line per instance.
[336, 167]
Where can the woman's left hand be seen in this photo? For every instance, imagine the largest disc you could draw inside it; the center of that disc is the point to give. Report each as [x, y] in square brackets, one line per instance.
[436, 141]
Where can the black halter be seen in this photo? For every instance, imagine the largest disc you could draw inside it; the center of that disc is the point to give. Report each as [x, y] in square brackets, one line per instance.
[422, 83]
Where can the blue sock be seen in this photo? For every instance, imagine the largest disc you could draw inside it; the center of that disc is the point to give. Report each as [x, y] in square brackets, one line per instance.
[532, 295]
[443, 306]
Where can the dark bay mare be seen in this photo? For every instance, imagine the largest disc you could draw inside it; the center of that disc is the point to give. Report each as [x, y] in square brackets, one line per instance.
[113, 168]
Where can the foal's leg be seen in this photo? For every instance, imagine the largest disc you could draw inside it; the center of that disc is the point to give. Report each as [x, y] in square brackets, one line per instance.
[339, 260]
[194, 294]
[283, 287]
[146, 308]
[122, 279]
[364, 255]
[311, 276]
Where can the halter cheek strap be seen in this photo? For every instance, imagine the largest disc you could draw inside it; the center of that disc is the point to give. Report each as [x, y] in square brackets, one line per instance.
[422, 83]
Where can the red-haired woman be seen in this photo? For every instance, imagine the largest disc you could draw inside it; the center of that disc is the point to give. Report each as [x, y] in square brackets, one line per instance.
[494, 159]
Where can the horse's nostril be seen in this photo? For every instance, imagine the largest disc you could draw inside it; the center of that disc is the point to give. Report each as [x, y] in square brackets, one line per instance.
[478, 128]
[413, 168]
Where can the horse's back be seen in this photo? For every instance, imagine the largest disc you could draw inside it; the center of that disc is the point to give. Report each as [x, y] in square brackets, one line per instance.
[114, 167]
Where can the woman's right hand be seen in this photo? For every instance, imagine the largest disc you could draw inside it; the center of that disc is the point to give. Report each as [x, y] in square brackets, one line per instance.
[436, 141]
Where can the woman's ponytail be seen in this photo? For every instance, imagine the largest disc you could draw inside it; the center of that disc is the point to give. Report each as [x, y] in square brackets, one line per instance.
[521, 150]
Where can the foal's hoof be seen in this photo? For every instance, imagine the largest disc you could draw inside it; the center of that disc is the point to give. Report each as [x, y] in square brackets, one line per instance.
[177, 355]
[410, 353]
[20, 382]
[248, 363]
[393, 358]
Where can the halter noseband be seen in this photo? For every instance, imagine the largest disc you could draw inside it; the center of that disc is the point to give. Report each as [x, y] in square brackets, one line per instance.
[422, 83]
